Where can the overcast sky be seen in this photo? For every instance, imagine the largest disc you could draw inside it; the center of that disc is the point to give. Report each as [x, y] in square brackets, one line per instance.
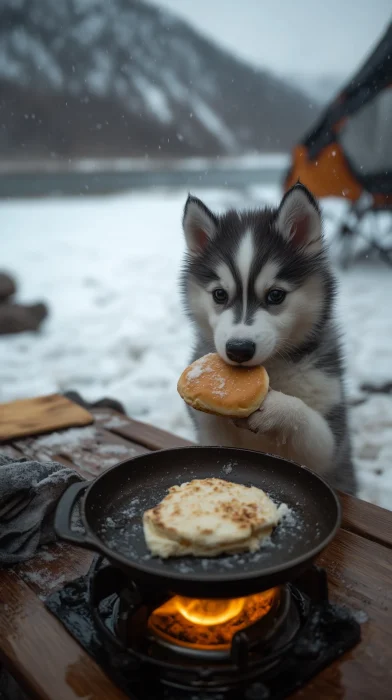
[309, 37]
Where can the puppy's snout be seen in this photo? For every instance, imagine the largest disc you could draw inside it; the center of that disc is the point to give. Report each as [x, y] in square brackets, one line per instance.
[240, 350]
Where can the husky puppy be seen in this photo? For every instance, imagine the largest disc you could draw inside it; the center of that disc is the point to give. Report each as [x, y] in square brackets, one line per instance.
[259, 289]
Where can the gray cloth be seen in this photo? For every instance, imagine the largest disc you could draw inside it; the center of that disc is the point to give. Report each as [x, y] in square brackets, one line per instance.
[29, 492]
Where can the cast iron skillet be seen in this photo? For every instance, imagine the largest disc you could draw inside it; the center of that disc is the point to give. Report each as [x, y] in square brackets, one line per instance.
[114, 502]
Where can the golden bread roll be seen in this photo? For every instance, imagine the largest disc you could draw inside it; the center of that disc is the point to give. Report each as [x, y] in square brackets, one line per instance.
[212, 386]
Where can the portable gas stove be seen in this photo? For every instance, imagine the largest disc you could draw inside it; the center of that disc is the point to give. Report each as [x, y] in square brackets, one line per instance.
[162, 646]
[252, 626]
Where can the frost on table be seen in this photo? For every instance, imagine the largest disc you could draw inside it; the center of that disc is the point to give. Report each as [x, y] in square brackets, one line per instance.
[86, 447]
[110, 421]
[42, 570]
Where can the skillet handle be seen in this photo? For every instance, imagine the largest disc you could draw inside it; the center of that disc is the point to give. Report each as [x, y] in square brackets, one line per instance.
[62, 518]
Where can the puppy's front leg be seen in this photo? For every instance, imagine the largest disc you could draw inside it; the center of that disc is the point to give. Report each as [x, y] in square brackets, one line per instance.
[305, 432]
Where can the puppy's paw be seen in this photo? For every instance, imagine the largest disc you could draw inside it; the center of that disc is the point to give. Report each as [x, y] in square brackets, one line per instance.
[243, 424]
[278, 413]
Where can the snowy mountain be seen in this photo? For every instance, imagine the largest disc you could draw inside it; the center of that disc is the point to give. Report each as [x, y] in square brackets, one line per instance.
[93, 77]
[321, 88]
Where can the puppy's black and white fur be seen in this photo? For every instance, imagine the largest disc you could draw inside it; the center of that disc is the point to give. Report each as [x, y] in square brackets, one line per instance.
[259, 288]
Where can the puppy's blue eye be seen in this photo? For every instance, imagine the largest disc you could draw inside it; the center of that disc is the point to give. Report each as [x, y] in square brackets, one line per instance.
[220, 296]
[275, 296]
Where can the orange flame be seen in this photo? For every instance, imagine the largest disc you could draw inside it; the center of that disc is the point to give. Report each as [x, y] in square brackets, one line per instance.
[208, 612]
[206, 623]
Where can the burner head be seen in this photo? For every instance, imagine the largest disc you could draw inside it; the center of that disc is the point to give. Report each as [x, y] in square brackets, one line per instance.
[209, 625]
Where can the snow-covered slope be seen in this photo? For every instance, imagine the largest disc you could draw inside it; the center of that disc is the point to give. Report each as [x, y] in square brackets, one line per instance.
[125, 77]
[321, 88]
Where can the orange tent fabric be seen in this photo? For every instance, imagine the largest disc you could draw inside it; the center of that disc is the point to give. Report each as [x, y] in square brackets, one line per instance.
[349, 150]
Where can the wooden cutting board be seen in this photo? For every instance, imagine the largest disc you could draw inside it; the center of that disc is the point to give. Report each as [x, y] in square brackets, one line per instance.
[41, 415]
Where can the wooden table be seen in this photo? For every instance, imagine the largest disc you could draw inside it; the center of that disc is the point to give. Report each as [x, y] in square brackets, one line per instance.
[50, 665]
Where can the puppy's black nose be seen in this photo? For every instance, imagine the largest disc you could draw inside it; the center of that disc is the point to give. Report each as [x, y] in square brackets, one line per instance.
[240, 350]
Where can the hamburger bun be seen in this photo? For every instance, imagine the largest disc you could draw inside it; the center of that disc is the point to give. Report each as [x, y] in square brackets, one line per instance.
[212, 386]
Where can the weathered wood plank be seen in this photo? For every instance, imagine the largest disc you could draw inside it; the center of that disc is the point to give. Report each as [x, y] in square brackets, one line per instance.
[40, 415]
[142, 433]
[367, 520]
[53, 567]
[92, 449]
[359, 576]
[35, 648]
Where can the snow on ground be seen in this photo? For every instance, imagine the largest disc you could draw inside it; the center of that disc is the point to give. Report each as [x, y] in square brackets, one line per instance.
[108, 268]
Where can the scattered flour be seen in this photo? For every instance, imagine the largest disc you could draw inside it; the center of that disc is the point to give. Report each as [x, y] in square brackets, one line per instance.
[360, 616]
[133, 509]
[45, 555]
[219, 388]
[228, 468]
[184, 568]
[44, 579]
[284, 512]
[198, 369]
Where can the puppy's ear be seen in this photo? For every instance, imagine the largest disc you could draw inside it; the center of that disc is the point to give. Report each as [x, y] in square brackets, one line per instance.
[299, 219]
[199, 224]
